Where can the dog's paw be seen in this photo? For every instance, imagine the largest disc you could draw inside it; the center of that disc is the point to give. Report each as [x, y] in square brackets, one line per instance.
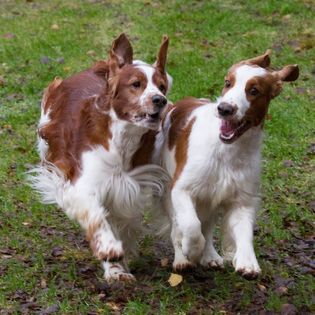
[212, 262]
[182, 265]
[193, 247]
[246, 265]
[115, 272]
[248, 274]
[121, 277]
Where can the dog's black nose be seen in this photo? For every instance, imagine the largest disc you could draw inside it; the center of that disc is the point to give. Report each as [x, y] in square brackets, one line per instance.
[159, 100]
[226, 109]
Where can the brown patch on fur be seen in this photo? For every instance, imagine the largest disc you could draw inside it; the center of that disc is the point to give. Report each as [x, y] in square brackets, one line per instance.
[162, 55]
[93, 238]
[101, 69]
[75, 122]
[144, 154]
[230, 77]
[181, 111]
[268, 87]
[83, 216]
[181, 150]
[51, 87]
[160, 80]
[125, 96]
[262, 61]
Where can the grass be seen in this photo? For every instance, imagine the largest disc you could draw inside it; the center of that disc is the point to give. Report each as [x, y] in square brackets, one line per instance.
[45, 264]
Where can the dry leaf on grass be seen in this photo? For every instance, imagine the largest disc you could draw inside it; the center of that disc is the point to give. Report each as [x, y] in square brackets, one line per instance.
[113, 306]
[175, 279]
[55, 27]
[164, 262]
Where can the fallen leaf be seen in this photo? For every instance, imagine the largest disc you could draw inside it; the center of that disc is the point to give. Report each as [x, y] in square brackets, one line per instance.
[113, 306]
[102, 296]
[26, 223]
[286, 17]
[175, 279]
[43, 283]
[55, 27]
[262, 288]
[281, 290]
[66, 69]
[91, 53]
[164, 262]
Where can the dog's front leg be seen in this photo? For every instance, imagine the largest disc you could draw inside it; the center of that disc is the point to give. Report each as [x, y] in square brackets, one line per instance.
[210, 257]
[193, 242]
[238, 240]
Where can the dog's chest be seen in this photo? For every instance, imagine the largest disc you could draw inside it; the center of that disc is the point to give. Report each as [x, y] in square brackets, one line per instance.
[220, 177]
[215, 182]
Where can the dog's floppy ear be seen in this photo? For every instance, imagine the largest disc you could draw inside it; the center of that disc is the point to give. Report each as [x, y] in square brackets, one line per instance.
[262, 60]
[121, 53]
[288, 73]
[162, 55]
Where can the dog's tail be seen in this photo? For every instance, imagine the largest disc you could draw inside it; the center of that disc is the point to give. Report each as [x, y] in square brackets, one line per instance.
[49, 182]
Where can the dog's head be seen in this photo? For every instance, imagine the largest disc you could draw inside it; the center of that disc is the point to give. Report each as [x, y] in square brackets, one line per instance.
[137, 90]
[249, 86]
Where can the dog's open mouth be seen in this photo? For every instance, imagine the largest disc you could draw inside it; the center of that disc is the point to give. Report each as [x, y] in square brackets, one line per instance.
[154, 116]
[232, 130]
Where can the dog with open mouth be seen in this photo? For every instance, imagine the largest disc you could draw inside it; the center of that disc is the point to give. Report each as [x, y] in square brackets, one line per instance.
[212, 152]
[95, 140]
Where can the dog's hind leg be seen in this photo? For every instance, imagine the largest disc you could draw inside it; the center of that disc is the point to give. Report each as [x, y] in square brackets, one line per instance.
[85, 208]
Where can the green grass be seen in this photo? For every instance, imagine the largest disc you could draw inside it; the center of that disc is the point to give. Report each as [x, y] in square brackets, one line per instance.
[206, 38]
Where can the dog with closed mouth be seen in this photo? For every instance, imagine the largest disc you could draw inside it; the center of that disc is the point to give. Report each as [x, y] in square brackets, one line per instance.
[212, 152]
[95, 140]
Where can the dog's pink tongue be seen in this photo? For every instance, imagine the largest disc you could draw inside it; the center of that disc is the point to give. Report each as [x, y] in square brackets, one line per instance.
[227, 127]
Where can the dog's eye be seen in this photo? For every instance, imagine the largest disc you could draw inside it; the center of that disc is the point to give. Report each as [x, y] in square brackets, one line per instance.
[227, 83]
[162, 88]
[136, 84]
[253, 91]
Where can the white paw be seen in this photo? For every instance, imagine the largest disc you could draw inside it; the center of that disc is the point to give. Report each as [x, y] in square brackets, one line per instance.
[213, 260]
[193, 247]
[122, 277]
[116, 272]
[182, 264]
[246, 265]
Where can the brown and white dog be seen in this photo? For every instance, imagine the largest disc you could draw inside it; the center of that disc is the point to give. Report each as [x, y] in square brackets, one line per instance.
[212, 152]
[96, 135]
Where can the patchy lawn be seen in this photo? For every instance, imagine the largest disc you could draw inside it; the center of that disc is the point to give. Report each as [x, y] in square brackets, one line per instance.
[46, 266]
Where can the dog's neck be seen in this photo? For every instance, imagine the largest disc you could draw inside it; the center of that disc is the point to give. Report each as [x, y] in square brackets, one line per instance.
[125, 140]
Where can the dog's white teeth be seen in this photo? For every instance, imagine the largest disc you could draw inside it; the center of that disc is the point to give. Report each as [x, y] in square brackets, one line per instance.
[228, 137]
